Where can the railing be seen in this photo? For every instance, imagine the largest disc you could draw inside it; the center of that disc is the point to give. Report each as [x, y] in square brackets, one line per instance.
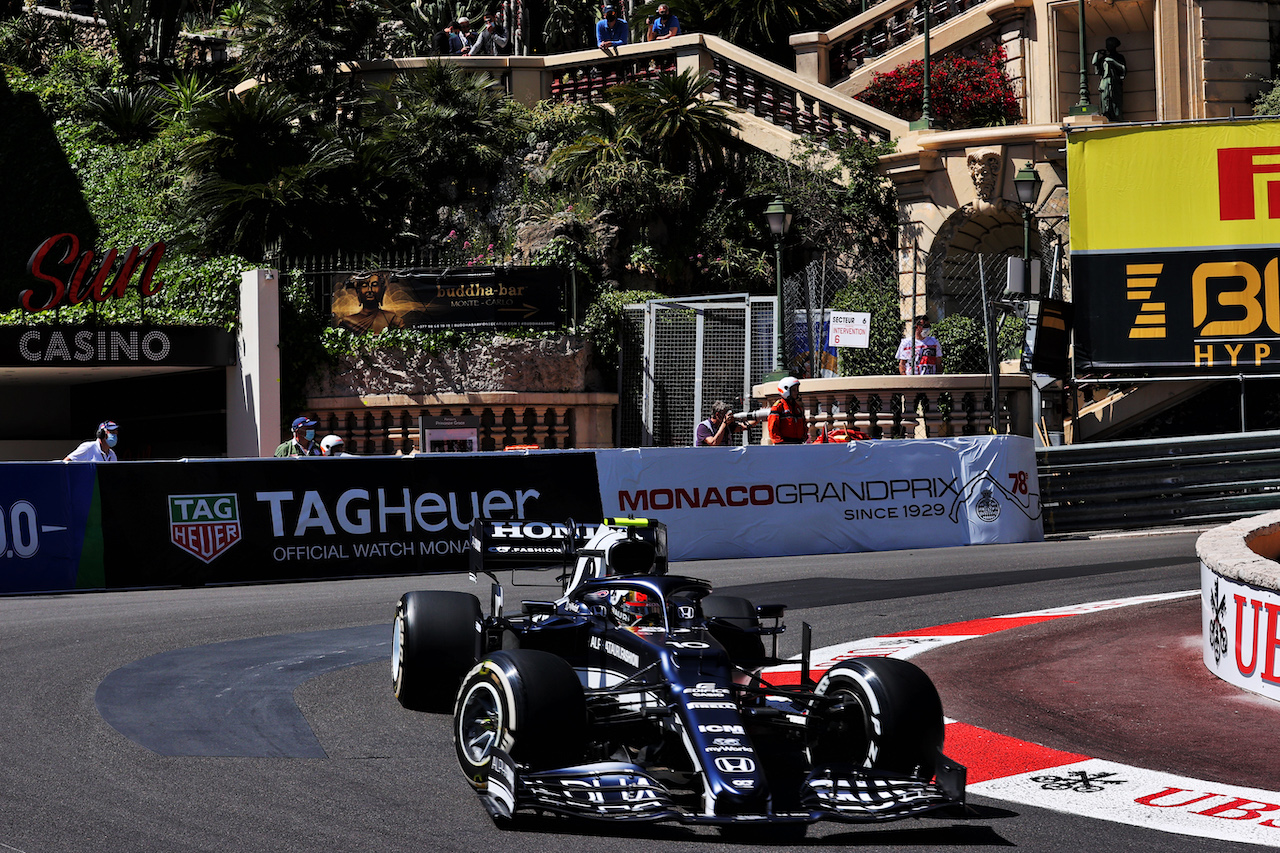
[1173, 481]
[912, 406]
[769, 91]
[784, 106]
[389, 426]
[587, 84]
[885, 26]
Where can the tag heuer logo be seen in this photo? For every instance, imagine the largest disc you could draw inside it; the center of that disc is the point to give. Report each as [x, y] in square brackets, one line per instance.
[204, 525]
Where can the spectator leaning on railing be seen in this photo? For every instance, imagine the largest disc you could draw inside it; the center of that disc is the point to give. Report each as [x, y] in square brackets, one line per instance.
[664, 26]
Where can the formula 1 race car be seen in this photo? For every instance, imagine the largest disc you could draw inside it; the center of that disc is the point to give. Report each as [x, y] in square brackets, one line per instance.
[642, 696]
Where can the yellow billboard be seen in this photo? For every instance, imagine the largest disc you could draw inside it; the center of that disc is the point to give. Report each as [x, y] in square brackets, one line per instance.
[1175, 186]
[1175, 246]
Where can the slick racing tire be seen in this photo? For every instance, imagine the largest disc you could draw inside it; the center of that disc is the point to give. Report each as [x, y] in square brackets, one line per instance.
[891, 719]
[435, 640]
[735, 614]
[526, 703]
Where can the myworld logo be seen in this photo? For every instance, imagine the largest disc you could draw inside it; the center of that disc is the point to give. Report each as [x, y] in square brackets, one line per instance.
[204, 525]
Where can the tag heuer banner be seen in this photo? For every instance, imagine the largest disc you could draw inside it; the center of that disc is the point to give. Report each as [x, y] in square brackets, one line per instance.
[243, 520]
[1175, 247]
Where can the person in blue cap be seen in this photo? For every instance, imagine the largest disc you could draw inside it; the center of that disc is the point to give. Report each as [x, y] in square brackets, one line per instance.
[99, 449]
[303, 442]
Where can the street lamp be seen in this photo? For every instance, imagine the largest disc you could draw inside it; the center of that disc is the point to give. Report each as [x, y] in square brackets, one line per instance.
[925, 122]
[1027, 183]
[1082, 107]
[778, 214]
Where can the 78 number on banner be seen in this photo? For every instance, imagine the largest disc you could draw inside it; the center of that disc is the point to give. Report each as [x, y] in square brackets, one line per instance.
[849, 329]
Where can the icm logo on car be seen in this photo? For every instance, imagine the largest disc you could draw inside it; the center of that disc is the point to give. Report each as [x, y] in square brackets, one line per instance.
[735, 764]
[204, 526]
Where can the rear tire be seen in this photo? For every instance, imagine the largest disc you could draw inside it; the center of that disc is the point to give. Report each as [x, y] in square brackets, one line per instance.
[526, 703]
[893, 722]
[745, 650]
[435, 640]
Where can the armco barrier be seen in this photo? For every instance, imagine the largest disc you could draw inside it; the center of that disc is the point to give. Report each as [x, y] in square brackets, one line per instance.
[185, 523]
[1240, 602]
[1134, 484]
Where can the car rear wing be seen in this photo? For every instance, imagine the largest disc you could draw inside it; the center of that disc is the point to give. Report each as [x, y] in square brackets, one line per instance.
[524, 544]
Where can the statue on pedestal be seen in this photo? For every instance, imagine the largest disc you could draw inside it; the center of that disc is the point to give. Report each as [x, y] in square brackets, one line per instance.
[1109, 64]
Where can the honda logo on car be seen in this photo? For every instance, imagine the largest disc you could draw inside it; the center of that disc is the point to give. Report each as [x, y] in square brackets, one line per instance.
[735, 764]
[204, 526]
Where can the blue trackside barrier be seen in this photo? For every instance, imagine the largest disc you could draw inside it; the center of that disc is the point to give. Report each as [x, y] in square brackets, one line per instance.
[192, 522]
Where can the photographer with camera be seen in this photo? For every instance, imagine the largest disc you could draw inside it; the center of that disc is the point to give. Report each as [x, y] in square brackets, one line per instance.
[492, 39]
[717, 430]
[613, 31]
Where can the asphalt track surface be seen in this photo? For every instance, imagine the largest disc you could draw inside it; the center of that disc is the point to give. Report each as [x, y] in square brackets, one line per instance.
[261, 719]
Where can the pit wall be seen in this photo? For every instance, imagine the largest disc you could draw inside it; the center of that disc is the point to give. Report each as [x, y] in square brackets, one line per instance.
[1240, 603]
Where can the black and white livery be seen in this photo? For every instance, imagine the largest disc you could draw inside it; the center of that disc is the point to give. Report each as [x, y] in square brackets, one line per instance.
[642, 696]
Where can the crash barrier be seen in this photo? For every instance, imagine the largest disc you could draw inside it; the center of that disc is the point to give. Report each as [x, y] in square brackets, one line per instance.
[1133, 484]
[1240, 602]
[192, 522]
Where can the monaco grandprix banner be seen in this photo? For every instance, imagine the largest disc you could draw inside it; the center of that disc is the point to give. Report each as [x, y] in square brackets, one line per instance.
[790, 500]
[1175, 247]
[216, 521]
[46, 509]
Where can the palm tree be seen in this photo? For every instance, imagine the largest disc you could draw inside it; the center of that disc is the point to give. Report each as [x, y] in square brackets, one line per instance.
[609, 163]
[261, 182]
[445, 136]
[300, 43]
[684, 130]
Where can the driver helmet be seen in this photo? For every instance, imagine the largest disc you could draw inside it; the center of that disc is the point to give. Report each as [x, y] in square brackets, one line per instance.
[629, 606]
[789, 386]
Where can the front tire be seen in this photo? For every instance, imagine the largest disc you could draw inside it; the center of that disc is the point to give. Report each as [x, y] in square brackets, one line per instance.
[528, 704]
[891, 719]
[435, 640]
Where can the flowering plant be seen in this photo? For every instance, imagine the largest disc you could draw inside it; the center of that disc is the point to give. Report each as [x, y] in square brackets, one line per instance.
[963, 91]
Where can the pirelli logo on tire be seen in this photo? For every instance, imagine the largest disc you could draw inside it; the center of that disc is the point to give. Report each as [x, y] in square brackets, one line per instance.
[204, 526]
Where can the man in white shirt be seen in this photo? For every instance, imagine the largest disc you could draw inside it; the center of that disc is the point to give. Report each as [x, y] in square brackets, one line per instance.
[919, 354]
[99, 449]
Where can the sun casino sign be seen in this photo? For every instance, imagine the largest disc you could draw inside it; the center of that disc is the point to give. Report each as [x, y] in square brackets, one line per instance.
[1175, 245]
[66, 276]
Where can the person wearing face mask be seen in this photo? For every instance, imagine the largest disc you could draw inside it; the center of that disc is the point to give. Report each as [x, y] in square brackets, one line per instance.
[98, 449]
[303, 442]
[613, 30]
[665, 25]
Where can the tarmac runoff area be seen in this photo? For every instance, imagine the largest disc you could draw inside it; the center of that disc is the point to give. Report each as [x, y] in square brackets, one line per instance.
[1104, 710]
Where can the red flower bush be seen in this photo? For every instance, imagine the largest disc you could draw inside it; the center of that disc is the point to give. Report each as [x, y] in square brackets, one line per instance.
[963, 91]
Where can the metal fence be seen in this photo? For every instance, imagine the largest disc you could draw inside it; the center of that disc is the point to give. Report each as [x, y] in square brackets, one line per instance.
[678, 356]
[1174, 481]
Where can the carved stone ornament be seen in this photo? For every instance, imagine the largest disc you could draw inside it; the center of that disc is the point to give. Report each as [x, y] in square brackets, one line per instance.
[984, 170]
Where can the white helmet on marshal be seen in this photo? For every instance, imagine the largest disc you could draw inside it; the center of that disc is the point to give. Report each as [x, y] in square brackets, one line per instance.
[789, 386]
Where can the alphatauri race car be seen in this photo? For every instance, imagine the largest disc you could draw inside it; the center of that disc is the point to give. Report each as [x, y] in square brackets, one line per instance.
[643, 696]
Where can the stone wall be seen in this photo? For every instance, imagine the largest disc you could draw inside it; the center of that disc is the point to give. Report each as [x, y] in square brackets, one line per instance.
[561, 364]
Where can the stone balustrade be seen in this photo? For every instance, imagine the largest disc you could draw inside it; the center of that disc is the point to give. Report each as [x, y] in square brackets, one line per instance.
[912, 406]
[388, 424]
